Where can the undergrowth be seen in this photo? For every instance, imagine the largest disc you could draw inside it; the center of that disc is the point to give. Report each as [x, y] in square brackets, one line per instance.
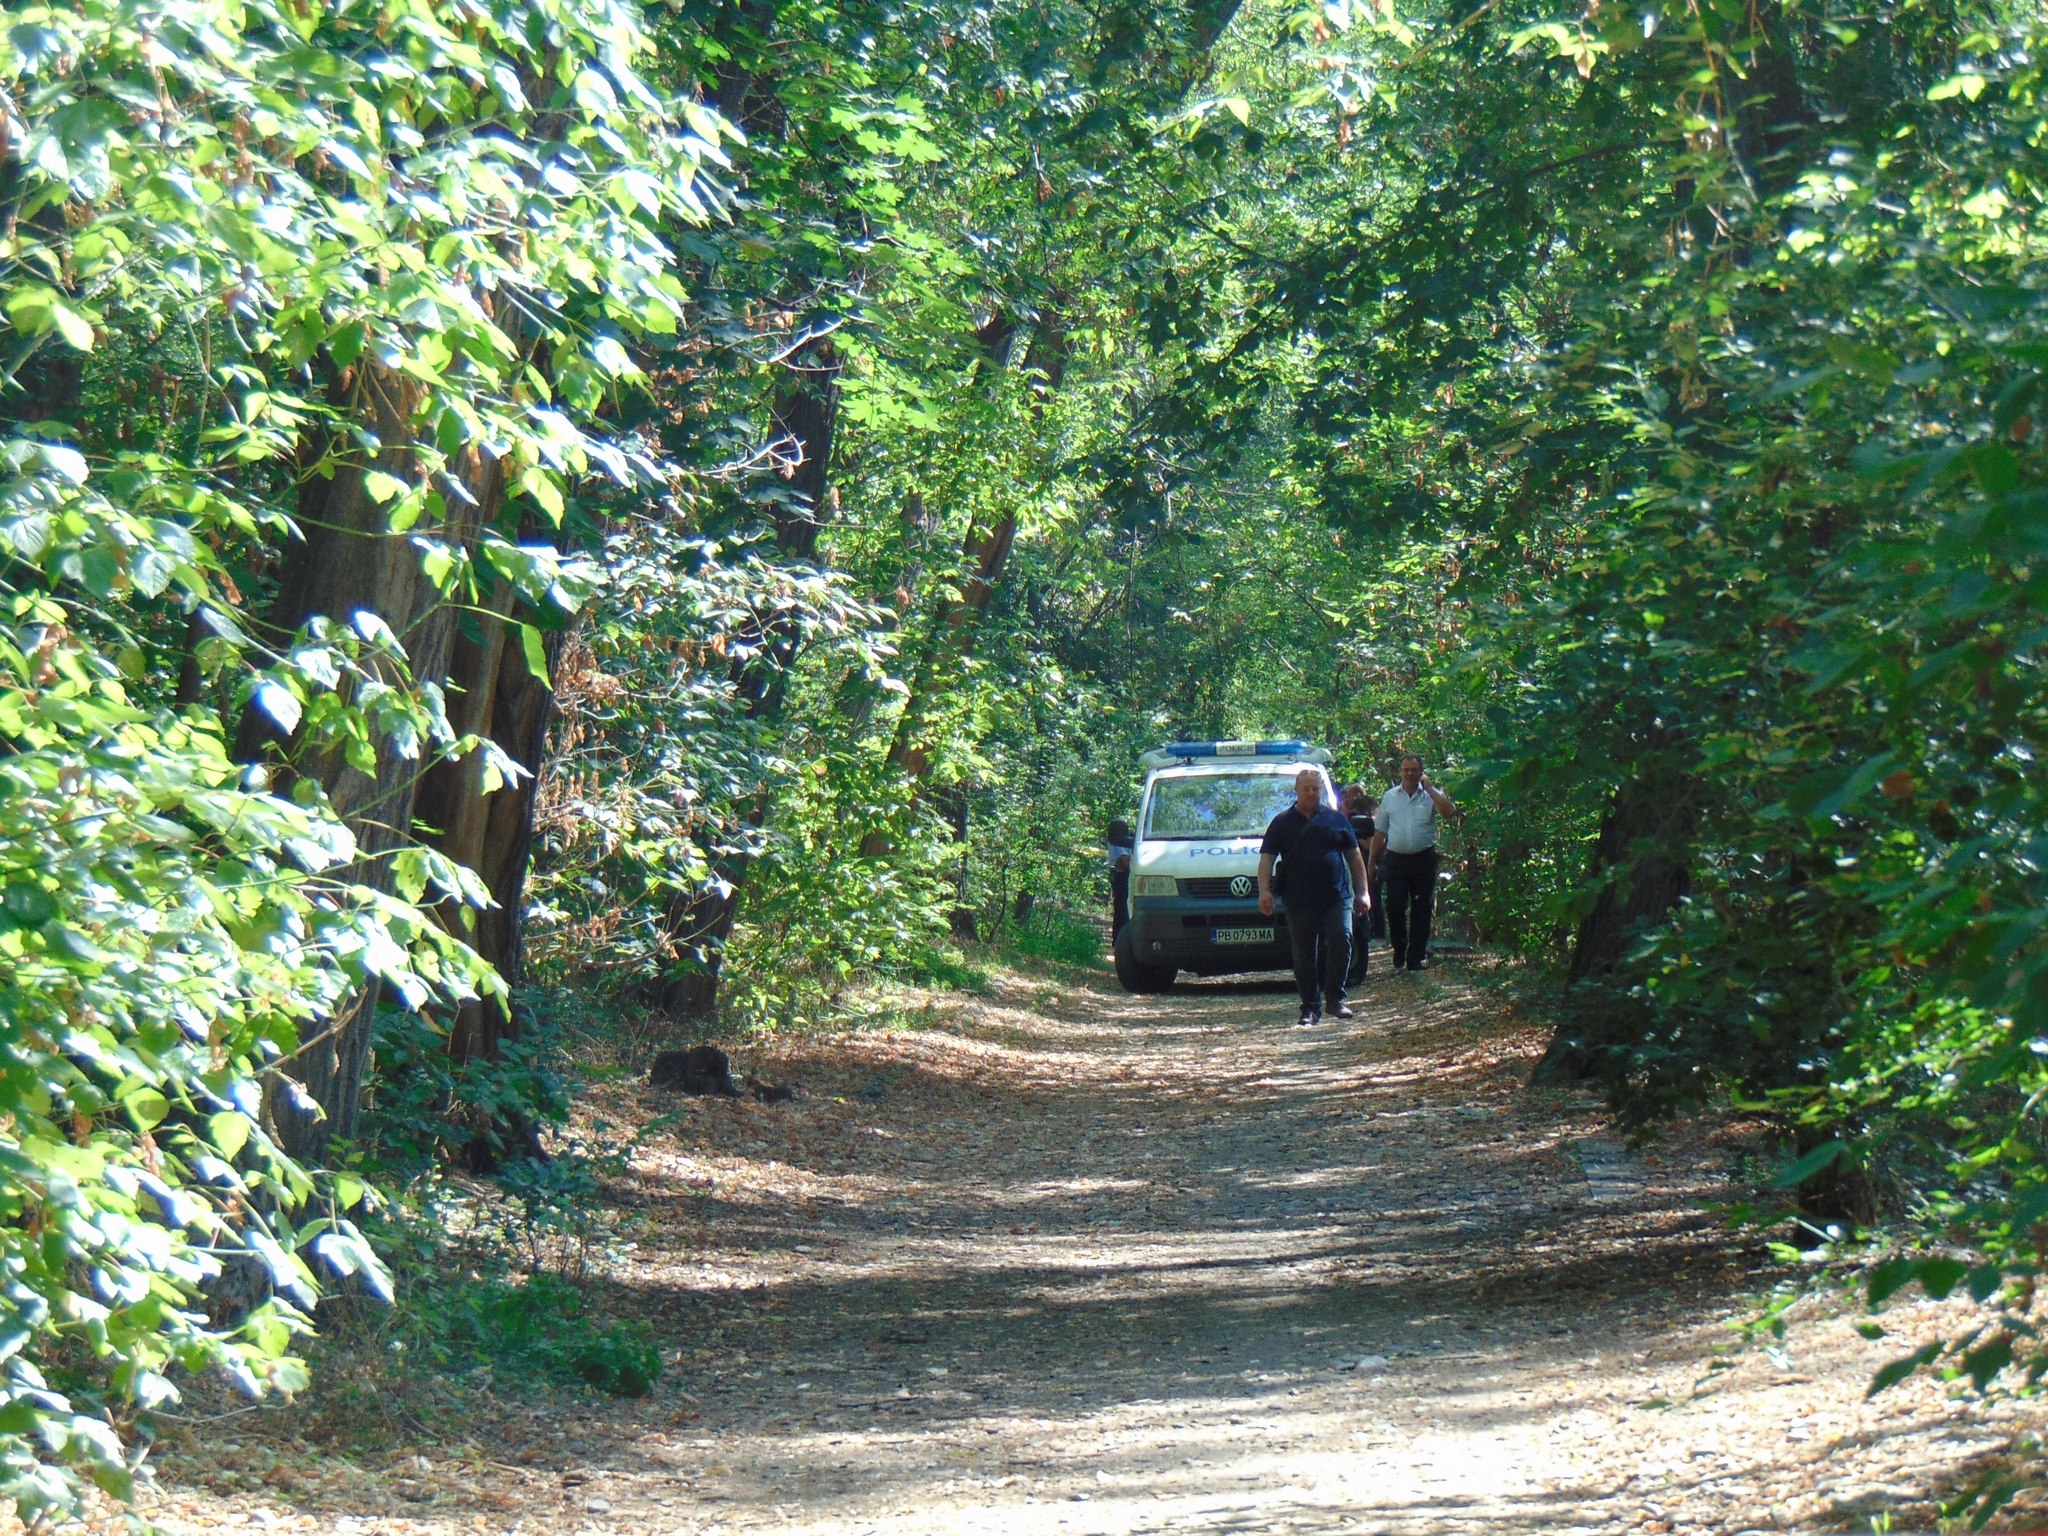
[1051, 933]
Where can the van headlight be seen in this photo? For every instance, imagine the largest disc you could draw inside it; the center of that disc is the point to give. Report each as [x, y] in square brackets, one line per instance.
[1155, 885]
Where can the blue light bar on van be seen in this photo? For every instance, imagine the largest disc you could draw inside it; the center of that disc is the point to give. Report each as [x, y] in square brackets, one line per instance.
[1202, 751]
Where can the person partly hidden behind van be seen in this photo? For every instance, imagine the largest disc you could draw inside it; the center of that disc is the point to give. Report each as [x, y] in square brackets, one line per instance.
[1121, 848]
[1315, 847]
[1359, 805]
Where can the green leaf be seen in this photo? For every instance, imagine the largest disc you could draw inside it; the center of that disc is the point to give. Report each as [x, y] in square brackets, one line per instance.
[540, 485]
[345, 344]
[1995, 466]
[1986, 1280]
[36, 309]
[1830, 792]
[1794, 1174]
[72, 325]
[228, 1130]
[278, 702]
[1940, 1276]
[534, 645]
[146, 1108]
[1987, 1360]
[1889, 1278]
[28, 904]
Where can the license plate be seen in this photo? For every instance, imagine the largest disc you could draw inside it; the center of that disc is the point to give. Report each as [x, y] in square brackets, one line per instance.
[1240, 935]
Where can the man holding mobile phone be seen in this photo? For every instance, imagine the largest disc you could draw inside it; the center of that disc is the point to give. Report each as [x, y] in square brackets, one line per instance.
[1404, 846]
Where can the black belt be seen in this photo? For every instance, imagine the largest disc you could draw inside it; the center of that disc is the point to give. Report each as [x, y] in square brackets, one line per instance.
[1420, 853]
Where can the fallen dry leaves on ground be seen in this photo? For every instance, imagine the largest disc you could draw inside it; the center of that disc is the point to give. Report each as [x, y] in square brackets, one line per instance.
[1073, 1262]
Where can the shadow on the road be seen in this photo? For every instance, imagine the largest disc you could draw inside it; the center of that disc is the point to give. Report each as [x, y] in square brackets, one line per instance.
[1390, 1190]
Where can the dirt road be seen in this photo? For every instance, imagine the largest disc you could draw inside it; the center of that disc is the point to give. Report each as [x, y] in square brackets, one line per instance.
[1069, 1262]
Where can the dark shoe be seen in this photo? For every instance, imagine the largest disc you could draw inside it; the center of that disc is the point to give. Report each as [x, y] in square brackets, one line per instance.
[1309, 1017]
[1341, 1011]
[1415, 968]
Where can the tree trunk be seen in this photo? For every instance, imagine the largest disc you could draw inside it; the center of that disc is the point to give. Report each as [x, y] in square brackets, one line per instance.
[49, 386]
[346, 561]
[1774, 119]
[1642, 858]
[492, 693]
[1642, 862]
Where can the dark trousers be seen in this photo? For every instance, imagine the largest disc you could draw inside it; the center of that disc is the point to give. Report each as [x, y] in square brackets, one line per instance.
[1411, 903]
[1361, 948]
[1321, 940]
[1119, 900]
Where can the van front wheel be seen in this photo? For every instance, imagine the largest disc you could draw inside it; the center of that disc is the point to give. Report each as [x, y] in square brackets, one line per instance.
[1134, 977]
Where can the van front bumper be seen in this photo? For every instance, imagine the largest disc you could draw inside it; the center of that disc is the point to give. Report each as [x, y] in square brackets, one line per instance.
[1180, 931]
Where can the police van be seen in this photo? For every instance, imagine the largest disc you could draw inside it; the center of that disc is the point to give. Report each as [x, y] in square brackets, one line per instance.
[1195, 873]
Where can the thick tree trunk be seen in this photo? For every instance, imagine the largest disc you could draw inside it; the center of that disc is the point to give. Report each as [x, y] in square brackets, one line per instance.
[1774, 119]
[1642, 862]
[49, 386]
[1642, 858]
[347, 561]
[493, 693]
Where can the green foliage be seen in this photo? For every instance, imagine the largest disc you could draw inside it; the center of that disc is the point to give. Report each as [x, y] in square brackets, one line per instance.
[542, 1327]
[427, 1109]
[1052, 934]
[665, 772]
[1725, 443]
[374, 237]
[1636, 414]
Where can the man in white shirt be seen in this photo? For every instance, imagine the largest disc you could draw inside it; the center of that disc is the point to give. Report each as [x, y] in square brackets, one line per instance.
[1404, 847]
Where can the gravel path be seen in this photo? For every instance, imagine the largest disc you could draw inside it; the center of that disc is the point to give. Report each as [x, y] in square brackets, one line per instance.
[1069, 1262]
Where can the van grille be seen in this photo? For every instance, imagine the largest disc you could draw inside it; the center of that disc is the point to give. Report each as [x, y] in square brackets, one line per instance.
[1217, 888]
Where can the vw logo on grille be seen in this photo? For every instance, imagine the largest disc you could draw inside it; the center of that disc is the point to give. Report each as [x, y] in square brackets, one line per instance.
[1241, 886]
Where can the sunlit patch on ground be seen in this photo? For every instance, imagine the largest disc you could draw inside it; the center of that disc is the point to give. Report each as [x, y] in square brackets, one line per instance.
[1072, 1262]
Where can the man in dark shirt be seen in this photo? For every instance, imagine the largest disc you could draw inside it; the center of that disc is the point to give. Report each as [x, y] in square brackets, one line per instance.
[1315, 846]
[1121, 847]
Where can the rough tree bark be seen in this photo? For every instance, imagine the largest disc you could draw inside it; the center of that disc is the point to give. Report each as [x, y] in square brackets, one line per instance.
[492, 693]
[49, 384]
[1642, 860]
[1641, 864]
[346, 561]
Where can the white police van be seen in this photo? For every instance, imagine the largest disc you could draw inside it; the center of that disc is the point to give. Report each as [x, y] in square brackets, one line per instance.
[1195, 874]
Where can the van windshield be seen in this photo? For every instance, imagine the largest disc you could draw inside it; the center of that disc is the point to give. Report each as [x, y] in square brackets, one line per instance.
[1217, 804]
